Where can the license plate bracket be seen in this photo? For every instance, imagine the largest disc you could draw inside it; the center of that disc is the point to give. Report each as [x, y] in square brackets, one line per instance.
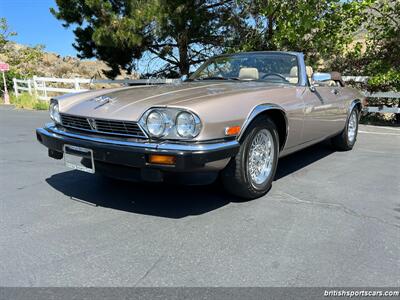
[73, 156]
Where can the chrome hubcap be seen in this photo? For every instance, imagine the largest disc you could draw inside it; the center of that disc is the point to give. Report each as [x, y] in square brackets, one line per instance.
[261, 156]
[352, 127]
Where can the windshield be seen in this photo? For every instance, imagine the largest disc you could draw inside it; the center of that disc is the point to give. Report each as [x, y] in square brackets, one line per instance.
[266, 67]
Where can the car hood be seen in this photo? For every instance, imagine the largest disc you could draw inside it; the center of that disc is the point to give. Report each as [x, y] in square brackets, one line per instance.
[129, 103]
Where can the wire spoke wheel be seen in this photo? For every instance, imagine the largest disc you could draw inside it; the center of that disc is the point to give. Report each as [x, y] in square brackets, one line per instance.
[352, 127]
[250, 173]
[261, 156]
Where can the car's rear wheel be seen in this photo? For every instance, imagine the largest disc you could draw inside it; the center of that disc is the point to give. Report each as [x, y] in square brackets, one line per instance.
[250, 173]
[347, 138]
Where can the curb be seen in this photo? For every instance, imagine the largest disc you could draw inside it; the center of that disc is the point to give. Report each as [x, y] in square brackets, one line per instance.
[7, 107]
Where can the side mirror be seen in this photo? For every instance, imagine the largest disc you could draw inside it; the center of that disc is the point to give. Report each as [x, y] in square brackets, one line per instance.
[184, 78]
[318, 78]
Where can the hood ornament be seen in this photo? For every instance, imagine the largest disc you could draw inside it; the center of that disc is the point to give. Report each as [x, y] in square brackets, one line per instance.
[103, 100]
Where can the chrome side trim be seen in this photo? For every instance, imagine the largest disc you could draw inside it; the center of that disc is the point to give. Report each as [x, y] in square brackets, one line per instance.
[258, 110]
[51, 131]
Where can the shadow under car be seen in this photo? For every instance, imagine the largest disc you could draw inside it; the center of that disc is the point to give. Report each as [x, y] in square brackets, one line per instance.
[166, 200]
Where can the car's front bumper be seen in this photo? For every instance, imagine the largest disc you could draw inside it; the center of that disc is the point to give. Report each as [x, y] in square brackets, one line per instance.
[190, 157]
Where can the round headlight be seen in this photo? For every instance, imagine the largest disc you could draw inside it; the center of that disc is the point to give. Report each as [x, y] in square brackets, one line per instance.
[54, 112]
[185, 124]
[155, 123]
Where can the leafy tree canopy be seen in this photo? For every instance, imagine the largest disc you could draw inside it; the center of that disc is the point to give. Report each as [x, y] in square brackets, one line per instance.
[378, 56]
[180, 32]
[319, 28]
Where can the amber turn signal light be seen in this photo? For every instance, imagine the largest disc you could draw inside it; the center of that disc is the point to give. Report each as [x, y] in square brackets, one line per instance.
[232, 130]
[162, 159]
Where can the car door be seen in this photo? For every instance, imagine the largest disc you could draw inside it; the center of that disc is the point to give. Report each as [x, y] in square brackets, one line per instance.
[324, 109]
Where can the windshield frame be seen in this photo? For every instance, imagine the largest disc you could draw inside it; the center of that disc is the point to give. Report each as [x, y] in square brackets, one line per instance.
[302, 78]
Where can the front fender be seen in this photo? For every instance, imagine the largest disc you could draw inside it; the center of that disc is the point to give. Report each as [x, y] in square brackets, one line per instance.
[263, 109]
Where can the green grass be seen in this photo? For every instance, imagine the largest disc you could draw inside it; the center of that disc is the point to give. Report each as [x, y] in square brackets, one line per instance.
[28, 101]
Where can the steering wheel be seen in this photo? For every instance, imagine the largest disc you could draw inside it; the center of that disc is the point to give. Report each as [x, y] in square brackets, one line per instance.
[274, 74]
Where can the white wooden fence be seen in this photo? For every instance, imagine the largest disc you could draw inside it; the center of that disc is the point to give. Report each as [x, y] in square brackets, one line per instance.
[42, 86]
[376, 109]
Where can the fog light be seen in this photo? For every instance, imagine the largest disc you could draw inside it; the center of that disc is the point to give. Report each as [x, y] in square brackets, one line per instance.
[162, 159]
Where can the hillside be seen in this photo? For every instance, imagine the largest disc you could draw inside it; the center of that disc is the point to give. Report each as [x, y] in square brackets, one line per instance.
[28, 61]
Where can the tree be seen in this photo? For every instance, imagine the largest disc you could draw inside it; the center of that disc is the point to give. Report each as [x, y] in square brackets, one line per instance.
[5, 34]
[379, 56]
[181, 33]
[23, 60]
[319, 28]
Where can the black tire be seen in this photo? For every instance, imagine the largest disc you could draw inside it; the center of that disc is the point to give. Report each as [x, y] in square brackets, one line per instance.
[236, 178]
[342, 142]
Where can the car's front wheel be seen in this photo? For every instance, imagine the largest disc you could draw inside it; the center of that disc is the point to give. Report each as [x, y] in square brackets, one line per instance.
[250, 173]
[347, 138]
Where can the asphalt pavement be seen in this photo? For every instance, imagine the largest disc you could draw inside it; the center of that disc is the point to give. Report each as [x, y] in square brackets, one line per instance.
[330, 219]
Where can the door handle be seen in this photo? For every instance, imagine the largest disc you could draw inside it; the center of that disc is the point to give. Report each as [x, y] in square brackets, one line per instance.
[335, 91]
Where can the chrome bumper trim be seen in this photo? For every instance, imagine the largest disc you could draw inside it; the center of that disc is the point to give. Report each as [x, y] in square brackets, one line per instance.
[51, 131]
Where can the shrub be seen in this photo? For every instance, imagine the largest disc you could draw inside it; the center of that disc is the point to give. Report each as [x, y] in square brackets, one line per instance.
[385, 81]
[28, 101]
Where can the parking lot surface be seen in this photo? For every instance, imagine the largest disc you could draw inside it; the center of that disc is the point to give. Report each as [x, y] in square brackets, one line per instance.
[330, 219]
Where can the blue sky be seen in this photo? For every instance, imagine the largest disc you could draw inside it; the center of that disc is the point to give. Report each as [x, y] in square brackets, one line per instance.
[34, 23]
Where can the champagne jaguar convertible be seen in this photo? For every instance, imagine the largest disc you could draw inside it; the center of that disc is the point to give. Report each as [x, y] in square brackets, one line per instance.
[233, 118]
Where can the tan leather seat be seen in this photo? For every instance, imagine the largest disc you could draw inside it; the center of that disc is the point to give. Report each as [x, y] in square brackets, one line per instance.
[248, 74]
[309, 71]
[337, 77]
[293, 77]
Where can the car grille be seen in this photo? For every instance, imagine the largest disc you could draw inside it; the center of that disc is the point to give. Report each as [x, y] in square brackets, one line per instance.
[112, 127]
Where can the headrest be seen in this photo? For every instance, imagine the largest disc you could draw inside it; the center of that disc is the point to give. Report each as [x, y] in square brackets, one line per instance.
[309, 71]
[336, 76]
[248, 74]
[293, 72]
